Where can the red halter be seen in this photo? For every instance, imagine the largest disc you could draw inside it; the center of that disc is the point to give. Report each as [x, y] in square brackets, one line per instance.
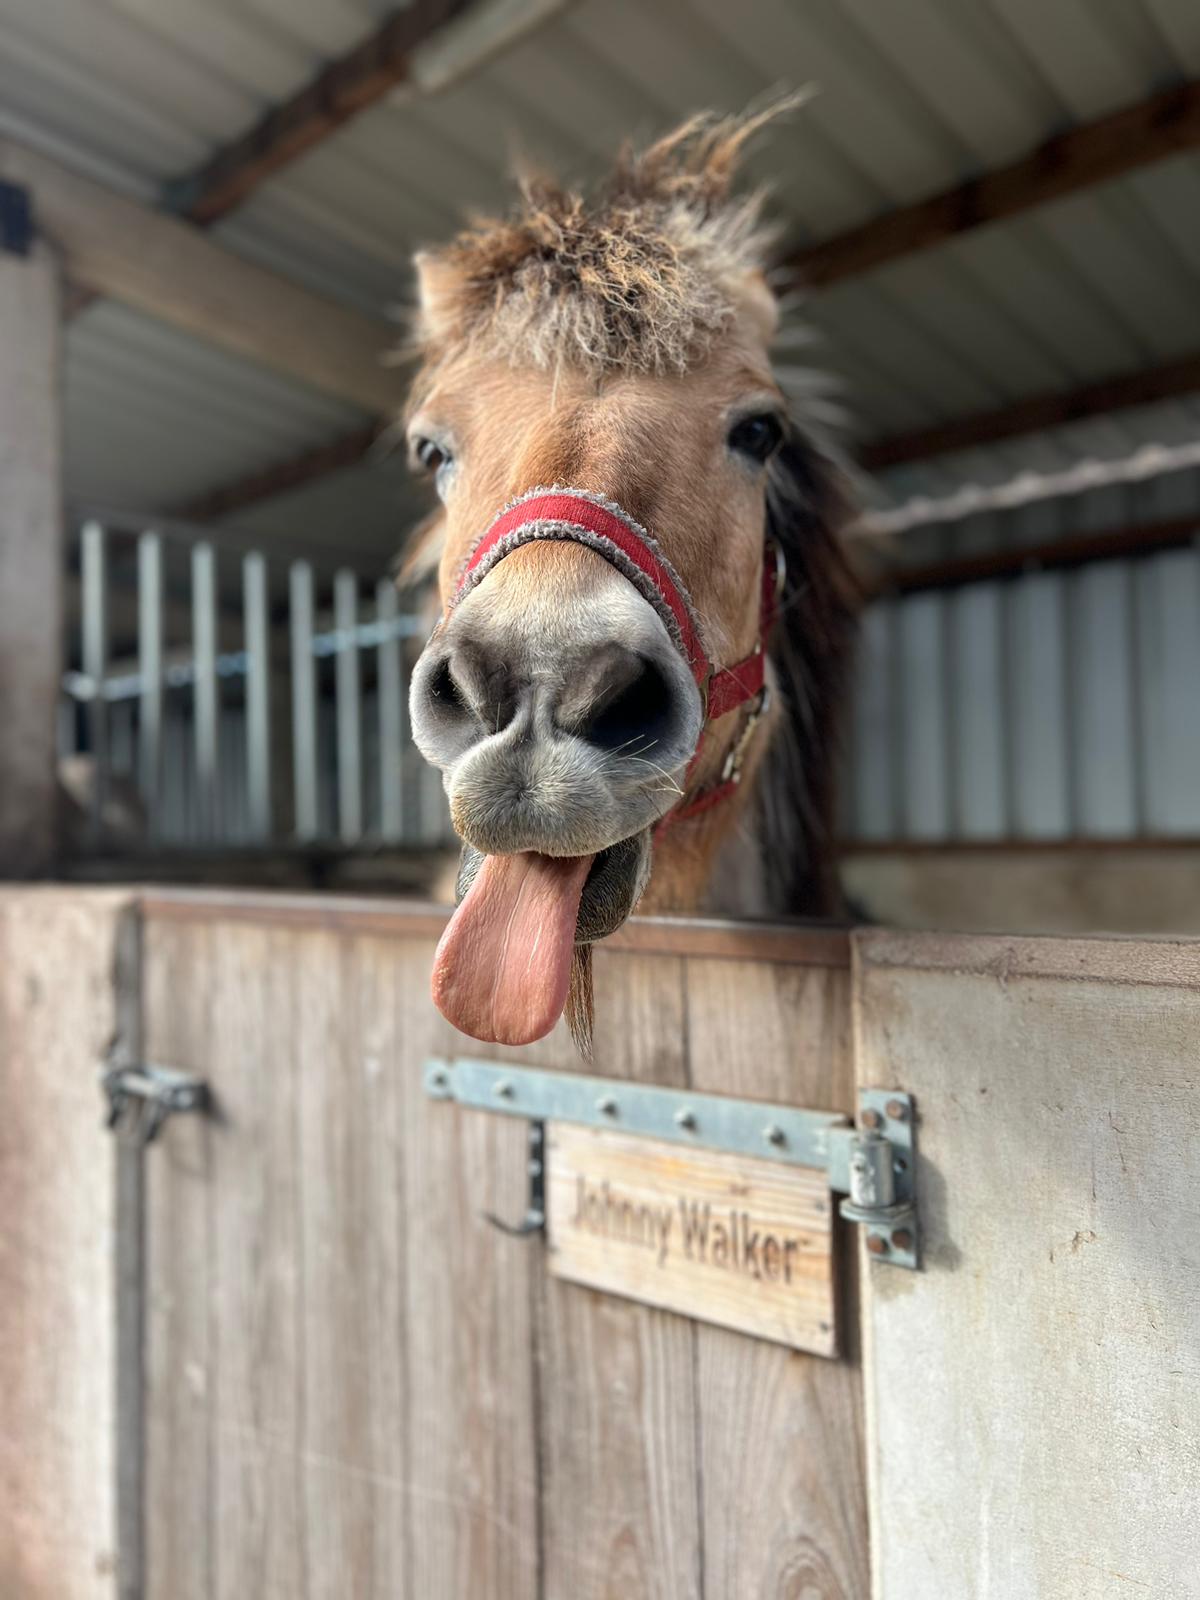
[577, 517]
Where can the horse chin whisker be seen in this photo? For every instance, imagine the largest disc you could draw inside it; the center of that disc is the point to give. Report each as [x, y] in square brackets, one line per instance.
[580, 1009]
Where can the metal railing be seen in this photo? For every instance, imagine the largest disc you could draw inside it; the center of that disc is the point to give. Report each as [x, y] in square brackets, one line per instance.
[237, 700]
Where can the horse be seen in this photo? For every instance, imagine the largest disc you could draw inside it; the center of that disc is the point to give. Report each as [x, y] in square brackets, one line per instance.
[633, 688]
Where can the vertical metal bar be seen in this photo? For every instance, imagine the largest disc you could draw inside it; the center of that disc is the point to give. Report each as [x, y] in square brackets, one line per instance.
[150, 672]
[205, 709]
[1137, 576]
[95, 663]
[258, 695]
[1008, 713]
[950, 708]
[349, 728]
[1071, 698]
[391, 715]
[304, 701]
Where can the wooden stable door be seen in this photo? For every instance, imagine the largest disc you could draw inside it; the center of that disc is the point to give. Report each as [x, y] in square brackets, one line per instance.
[359, 1389]
[1033, 1395]
[352, 1386]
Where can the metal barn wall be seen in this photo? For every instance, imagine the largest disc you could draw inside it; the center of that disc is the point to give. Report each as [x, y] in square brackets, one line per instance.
[1050, 705]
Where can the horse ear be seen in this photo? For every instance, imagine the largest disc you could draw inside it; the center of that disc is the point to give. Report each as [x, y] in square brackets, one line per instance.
[760, 305]
[440, 291]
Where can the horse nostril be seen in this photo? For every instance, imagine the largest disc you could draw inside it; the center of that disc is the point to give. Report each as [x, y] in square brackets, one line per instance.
[443, 689]
[466, 690]
[636, 716]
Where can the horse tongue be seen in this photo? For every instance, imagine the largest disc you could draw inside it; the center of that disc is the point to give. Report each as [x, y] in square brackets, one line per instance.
[503, 965]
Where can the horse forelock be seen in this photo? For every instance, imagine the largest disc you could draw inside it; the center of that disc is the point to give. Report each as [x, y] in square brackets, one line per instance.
[640, 275]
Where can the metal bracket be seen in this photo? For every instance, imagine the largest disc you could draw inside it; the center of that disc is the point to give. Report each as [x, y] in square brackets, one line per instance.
[534, 1220]
[152, 1094]
[16, 219]
[873, 1164]
[882, 1176]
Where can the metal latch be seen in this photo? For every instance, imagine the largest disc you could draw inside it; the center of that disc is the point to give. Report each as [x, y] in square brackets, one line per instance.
[882, 1175]
[873, 1164]
[153, 1094]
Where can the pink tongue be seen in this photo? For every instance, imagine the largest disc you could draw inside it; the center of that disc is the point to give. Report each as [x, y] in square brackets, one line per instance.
[503, 965]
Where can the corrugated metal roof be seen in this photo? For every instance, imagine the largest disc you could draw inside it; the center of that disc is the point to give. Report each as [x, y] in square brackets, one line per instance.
[916, 95]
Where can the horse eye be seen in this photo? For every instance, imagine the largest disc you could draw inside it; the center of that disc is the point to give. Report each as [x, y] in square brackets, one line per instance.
[757, 437]
[430, 454]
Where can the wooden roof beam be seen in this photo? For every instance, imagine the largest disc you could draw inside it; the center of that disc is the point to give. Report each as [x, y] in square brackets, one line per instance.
[1095, 152]
[282, 477]
[339, 92]
[169, 270]
[1035, 415]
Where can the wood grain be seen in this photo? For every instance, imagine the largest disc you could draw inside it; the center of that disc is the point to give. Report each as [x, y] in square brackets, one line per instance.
[474, 1474]
[178, 1010]
[617, 1394]
[256, 1269]
[1056, 1456]
[376, 1392]
[733, 1240]
[57, 1316]
[805, 944]
[781, 1455]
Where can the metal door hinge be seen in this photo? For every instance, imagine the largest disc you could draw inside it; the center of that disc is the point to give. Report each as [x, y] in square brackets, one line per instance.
[873, 1164]
[882, 1176]
[151, 1095]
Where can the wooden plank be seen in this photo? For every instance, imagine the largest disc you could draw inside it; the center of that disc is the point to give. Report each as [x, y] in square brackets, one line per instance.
[617, 1396]
[1056, 1456]
[1095, 152]
[31, 557]
[469, 1354]
[813, 945]
[1158, 962]
[57, 1315]
[353, 1439]
[256, 1281]
[168, 269]
[781, 1475]
[734, 1240]
[1035, 415]
[180, 1358]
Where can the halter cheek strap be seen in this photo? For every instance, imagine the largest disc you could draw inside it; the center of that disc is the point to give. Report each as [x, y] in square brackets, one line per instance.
[577, 517]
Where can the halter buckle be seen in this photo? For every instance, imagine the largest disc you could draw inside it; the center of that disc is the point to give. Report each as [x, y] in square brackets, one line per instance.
[731, 772]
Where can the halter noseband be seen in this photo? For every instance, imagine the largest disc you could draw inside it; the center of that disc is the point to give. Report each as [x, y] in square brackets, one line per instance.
[577, 517]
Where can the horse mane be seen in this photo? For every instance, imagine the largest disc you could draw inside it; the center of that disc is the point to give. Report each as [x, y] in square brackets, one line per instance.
[640, 275]
[812, 649]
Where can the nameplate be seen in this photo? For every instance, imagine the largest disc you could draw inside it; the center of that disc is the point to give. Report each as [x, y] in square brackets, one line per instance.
[728, 1239]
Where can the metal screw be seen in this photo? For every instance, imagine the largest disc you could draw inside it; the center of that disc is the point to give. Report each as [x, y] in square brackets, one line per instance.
[535, 1169]
[897, 1110]
[437, 1080]
[503, 1089]
[774, 1134]
[877, 1244]
[871, 1119]
[686, 1119]
[902, 1239]
[606, 1105]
